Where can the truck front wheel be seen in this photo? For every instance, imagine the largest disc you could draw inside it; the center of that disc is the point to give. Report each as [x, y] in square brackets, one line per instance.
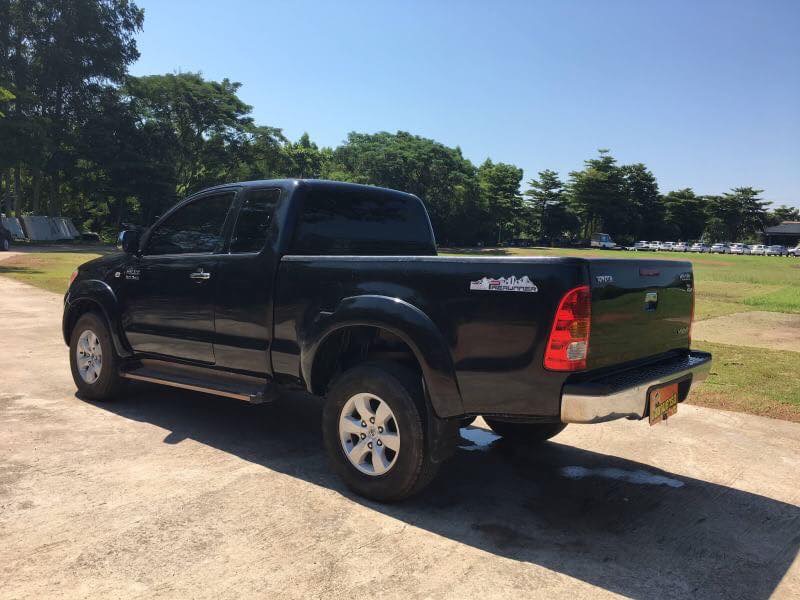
[525, 433]
[374, 428]
[93, 360]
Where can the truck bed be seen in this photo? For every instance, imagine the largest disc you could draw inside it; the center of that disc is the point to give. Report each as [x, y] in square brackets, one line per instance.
[496, 333]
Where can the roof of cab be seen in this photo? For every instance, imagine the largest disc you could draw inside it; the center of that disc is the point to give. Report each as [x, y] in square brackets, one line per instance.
[314, 184]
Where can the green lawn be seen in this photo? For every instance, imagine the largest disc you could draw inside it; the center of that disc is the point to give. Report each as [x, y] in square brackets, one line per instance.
[753, 380]
[725, 284]
[47, 270]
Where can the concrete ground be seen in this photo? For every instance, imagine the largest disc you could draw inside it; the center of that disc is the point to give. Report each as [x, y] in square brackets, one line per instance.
[173, 494]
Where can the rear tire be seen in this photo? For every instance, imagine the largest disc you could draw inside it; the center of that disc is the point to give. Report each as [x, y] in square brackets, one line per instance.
[6, 245]
[94, 364]
[525, 433]
[410, 467]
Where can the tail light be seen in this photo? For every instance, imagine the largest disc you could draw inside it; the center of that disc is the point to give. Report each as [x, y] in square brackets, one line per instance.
[568, 344]
[73, 276]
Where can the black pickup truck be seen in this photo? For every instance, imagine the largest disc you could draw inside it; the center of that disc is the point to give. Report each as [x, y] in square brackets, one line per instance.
[336, 288]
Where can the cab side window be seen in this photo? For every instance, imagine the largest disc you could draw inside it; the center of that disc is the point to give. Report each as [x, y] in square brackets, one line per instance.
[196, 228]
[254, 221]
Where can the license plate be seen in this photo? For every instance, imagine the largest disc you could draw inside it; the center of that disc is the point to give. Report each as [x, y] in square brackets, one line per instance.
[663, 402]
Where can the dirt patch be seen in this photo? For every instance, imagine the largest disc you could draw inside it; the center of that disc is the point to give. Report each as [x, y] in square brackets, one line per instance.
[758, 329]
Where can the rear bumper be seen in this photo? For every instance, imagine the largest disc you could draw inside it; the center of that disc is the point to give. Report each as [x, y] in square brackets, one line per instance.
[624, 395]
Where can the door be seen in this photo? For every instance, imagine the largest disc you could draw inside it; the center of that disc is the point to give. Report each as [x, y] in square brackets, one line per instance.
[244, 286]
[168, 291]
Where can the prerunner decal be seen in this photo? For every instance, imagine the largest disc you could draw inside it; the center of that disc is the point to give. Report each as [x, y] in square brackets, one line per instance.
[504, 284]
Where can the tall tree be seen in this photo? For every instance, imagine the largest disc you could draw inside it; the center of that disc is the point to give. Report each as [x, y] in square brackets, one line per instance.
[439, 175]
[546, 195]
[597, 196]
[685, 215]
[783, 213]
[209, 124]
[752, 210]
[647, 210]
[499, 183]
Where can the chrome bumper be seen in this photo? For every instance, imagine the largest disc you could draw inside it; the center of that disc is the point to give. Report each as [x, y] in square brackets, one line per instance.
[624, 395]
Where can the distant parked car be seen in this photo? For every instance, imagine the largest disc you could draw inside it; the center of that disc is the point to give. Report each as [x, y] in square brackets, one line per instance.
[654, 245]
[680, 247]
[720, 249]
[776, 251]
[794, 251]
[666, 246]
[699, 247]
[759, 249]
[740, 249]
[5, 238]
[602, 240]
[642, 245]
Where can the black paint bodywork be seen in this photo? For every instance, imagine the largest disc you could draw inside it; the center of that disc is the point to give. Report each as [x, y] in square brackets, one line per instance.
[267, 314]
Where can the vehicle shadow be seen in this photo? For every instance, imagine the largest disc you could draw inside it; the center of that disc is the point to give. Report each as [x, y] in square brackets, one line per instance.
[618, 524]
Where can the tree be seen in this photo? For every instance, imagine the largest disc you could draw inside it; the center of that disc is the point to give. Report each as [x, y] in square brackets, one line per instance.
[54, 56]
[444, 180]
[5, 96]
[547, 197]
[499, 183]
[646, 220]
[210, 126]
[685, 215]
[783, 213]
[597, 196]
[738, 214]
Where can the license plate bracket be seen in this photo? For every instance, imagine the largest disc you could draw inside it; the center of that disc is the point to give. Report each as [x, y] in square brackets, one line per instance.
[663, 401]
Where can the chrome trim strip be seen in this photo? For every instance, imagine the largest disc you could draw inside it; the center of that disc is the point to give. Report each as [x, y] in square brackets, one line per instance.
[629, 403]
[185, 386]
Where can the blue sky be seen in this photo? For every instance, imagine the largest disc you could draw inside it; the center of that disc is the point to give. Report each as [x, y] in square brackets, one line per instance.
[707, 94]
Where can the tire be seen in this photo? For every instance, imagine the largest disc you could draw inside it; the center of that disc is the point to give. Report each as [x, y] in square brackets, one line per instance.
[411, 467]
[99, 382]
[525, 433]
[5, 244]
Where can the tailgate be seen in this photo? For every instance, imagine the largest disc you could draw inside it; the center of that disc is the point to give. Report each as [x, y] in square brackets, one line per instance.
[640, 308]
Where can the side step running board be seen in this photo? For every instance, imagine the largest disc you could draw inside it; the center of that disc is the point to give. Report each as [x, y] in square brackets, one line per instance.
[247, 389]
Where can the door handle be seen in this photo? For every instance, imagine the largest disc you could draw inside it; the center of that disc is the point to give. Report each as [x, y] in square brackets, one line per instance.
[200, 275]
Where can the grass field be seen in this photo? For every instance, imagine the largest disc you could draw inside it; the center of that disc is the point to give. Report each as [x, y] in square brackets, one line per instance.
[754, 380]
[47, 270]
[724, 284]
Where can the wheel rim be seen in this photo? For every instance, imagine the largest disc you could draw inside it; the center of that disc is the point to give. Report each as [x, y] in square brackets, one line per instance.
[369, 434]
[90, 356]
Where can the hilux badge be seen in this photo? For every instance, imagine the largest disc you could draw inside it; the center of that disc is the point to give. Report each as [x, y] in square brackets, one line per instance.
[504, 284]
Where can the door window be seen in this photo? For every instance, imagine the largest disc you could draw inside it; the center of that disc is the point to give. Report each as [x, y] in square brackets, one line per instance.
[255, 219]
[196, 228]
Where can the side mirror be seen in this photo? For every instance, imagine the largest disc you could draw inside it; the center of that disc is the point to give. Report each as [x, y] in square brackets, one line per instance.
[128, 241]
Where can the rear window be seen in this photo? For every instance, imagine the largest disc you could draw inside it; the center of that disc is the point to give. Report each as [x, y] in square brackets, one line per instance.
[362, 222]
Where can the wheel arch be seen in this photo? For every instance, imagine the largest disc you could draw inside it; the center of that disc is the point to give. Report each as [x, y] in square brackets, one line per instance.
[410, 333]
[98, 297]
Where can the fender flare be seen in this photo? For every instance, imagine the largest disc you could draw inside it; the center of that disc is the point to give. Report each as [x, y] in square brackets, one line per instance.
[408, 323]
[100, 294]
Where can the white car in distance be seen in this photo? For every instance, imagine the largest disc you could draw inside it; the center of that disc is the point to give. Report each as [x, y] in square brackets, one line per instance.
[720, 249]
[759, 249]
[680, 247]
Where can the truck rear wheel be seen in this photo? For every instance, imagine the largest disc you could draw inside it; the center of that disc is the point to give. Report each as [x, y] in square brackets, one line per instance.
[92, 359]
[525, 433]
[373, 424]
